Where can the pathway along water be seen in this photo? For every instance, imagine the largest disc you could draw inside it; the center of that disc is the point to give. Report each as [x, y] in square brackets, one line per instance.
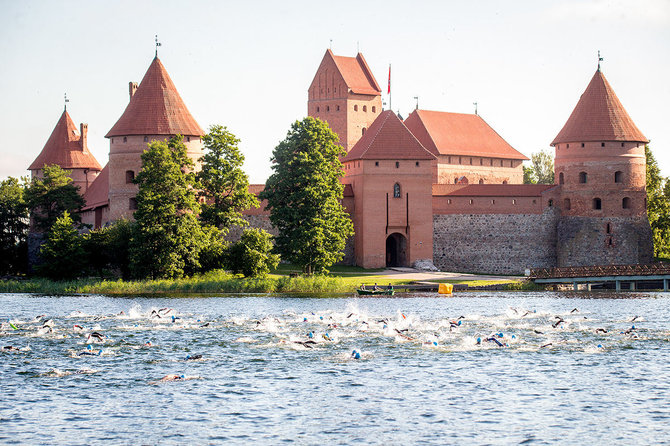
[548, 367]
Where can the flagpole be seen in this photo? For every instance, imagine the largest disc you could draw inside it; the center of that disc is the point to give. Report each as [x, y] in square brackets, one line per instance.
[389, 89]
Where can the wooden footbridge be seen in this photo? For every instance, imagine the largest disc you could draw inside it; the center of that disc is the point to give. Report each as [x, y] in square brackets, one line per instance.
[653, 275]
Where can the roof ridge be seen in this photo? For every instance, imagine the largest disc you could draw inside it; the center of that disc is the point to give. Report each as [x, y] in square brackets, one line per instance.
[378, 130]
[424, 126]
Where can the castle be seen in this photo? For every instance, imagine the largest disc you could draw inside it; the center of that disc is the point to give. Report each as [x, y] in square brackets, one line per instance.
[436, 188]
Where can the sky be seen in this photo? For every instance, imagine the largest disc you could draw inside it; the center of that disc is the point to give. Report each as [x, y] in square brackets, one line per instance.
[247, 64]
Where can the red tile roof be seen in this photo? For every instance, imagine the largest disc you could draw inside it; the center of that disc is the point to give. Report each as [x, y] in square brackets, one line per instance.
[356, 74]
[446, 133]
[599, 116]
[491, 190]
[388, 138]
[98, 192]
[65, 148]
[156, 108]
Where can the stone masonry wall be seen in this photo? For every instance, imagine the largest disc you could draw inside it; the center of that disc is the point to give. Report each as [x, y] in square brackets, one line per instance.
[584, 241]
[495, 243]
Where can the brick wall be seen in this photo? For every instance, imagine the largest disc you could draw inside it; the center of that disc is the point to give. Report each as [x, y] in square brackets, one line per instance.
[495, 243]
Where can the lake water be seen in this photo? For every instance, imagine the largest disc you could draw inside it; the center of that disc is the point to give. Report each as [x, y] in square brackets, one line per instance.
[573, 368]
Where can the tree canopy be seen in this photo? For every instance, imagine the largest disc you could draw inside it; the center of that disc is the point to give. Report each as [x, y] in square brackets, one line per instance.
[62, 253]
[252, 255]
[222, 182]
[541, 169]
[658, 205]
[13, 227]
[48, 197]
[304, 197]
[167, 239]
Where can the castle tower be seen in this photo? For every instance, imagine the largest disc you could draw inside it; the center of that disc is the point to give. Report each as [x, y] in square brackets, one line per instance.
[69, 150]
[600, 166]
[390, 176]
[155, 112]
[345, 94]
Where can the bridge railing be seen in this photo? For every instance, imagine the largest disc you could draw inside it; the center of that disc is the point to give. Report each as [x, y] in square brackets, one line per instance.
[650, 269]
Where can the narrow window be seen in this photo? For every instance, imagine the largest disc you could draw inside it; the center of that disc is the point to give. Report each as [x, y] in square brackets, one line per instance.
[460, 160]
[449, 159]
[327, 108]
[582, 177]
[493, 202]
[566, 204]
[365, 108]
[622, 145]
[471, 161]
[397, 164]
[608, 228]
[582, 144]
[417, 164]
[374, 109]
[625, 203]
[146, 138]
[481, 161]
[481, 181]
[513, 201]
[470, 201]
[130, 176]
[132, 204]
[561, 179]
[492, 161]
[504, 182]
[363, 131]
[188, 139]
[597, 204]
[318, 109]
[125, 139]
[112, 140]
[355, 107]
[448, 200]
[534, 201]
[396, 190]
[376, 163]
[567, 146]
[338, 108]
[501, 163]
[602, 144]
[551, 203]
[618, 176]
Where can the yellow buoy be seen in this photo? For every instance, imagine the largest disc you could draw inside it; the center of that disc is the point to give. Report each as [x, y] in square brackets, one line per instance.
[445, 288]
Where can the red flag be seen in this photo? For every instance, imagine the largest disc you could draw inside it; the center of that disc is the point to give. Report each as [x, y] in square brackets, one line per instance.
[389, 90]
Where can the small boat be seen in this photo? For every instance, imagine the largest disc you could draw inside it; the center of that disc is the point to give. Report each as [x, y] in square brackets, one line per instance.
[379, 292]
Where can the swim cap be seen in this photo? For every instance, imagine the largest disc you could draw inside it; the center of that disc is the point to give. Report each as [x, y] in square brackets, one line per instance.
[600, 346]
[479, 340]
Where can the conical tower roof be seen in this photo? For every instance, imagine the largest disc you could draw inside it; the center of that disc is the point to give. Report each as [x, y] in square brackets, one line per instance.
[156, 108]
[66, 148]
[599, 116]
[388, 138]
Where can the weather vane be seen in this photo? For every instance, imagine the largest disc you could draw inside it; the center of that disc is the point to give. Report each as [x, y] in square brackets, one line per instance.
[157, 45]
[600, 59]
[417, 102]
[66, 101]
[475, 104]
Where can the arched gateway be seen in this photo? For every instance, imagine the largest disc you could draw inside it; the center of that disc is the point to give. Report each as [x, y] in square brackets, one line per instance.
[396, 250]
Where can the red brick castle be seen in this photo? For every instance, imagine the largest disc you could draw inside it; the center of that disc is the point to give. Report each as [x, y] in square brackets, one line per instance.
[437, 188]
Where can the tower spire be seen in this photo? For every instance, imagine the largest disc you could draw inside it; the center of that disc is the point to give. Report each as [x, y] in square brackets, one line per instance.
[157, 45]
[600, 59]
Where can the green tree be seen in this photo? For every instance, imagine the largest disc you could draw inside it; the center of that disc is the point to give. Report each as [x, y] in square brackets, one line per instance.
[62, 253]
[222, 182]
[13, 227]
[541, 169]
[48, 197]
[304, 197]
[108, 248]
[168, 238]
[252, 255]
[658, 205]
[213, 254]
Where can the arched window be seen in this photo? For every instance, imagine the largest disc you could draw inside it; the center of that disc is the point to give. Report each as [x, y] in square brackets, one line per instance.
[582, 177]
[318, 109]
[625, 203]
[396, 190]
[618, 176]
[146, 138]
[130, 176]
[597, 204]
[566, 204]
[481, 181]
[355, 107]
[327, 108]
[504, 182]
[374, 109]
[365, 108]
[561, 178]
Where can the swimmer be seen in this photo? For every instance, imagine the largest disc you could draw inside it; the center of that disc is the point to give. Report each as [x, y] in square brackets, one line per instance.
[95, 337]
[172, 378]
[77, 327]
[193, 358]
[538, 331]
[558, 322]
[204, 325]
[574, 310]
[400, 333]
[633, 320]
[493, 339]
[355, 354]
[10, 348]
[306, 344]
[546, 345]
[48, 323]
[89, 353]
[526, 313]
[601, 330]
